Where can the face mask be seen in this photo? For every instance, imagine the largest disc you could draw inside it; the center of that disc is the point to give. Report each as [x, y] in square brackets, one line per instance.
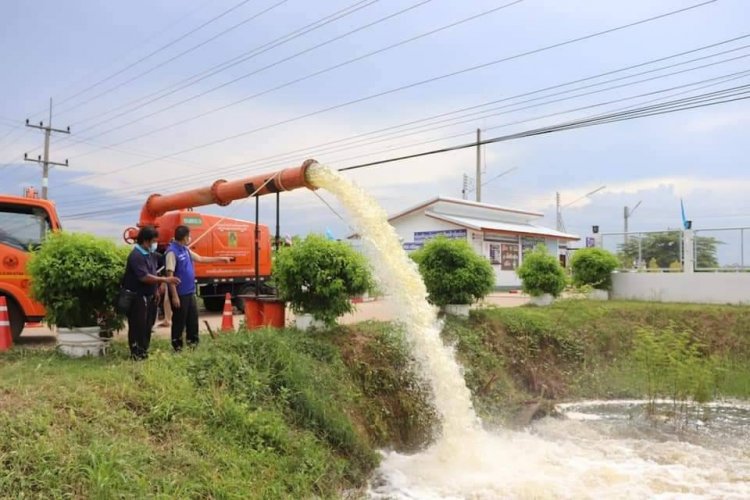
[153, 247]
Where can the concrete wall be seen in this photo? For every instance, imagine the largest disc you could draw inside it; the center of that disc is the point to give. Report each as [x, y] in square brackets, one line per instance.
[707, 288]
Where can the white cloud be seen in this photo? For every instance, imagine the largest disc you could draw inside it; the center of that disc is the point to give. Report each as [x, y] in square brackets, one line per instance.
[716, 121]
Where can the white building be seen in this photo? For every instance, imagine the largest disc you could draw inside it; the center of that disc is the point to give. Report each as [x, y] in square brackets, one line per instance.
[501, 234]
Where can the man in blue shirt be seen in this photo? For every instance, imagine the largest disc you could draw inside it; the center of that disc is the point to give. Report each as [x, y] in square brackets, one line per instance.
[179, 263]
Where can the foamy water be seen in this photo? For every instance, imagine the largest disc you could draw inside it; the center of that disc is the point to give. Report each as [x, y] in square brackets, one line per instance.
[400, 279]
[590, 454]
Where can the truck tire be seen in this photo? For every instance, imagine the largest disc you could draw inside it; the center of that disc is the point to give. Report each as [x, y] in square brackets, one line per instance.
[239, 303]
[17, 319]
[213, 304]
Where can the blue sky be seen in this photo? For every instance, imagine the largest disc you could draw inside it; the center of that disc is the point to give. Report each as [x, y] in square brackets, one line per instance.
[51, 48]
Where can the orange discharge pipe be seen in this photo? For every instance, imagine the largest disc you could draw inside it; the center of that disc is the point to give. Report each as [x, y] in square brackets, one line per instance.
[224, 192]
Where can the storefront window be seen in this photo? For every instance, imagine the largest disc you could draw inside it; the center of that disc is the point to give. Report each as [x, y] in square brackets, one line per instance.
[529, 244]
[495, 254]
[508, 256]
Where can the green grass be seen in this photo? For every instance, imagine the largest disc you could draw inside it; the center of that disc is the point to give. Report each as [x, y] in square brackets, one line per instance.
[583, 349]
[284, 414]
[267, 414]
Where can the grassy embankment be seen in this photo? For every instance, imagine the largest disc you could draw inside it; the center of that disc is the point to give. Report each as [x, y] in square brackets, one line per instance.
[284, 414]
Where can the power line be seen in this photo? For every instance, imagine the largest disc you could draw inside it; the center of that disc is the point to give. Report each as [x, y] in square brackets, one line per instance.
[236, 167]
[153, 36]
[162, 64]
[431, 126]
[156, 51]
[198, 77]
[706, 99]
[218, 68]
[274, 64]
[600, 120]
[742, 74]
[415, 84]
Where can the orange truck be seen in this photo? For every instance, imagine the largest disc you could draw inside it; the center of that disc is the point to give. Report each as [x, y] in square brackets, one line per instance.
[226, 238]
[25, 220]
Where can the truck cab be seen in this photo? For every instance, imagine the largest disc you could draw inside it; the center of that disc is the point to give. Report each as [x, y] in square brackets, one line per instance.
[24, 223]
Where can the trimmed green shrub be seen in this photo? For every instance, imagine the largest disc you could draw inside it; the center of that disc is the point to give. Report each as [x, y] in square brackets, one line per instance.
[541, 273]
[453, 272]
[319, 276]
[593, 267]
[77, 278]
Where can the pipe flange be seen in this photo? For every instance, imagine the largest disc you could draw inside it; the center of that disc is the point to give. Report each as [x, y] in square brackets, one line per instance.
[130, 240]
[215, 193]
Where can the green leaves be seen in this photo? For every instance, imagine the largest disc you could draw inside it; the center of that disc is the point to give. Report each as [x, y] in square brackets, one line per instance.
[541, 273]
[675, 365]
[76, 276]
[318, 276]
[453, 272]
[593, 266]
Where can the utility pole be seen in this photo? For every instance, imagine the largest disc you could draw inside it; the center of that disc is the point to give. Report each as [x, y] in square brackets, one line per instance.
[559, 206]
[627, 213]
[478, 180]
[45, 162]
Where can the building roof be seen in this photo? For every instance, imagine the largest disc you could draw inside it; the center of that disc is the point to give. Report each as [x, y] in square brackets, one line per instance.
[465, 203]
[481, 217]
[502, 227]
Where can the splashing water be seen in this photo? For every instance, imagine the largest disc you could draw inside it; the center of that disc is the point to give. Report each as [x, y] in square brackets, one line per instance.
[401, 280]
[589, 455]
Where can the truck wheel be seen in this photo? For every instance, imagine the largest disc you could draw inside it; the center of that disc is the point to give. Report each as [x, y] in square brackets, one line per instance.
[17, 319]
[239, 303]
[213, 304]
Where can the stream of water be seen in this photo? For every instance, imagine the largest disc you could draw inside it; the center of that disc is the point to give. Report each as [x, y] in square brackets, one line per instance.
[600, 450]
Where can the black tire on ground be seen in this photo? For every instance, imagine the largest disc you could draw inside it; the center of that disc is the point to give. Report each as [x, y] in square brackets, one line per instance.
[213, 304]
[17, 319]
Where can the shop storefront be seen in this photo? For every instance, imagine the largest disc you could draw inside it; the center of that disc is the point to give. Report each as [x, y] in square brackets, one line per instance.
[500, 234]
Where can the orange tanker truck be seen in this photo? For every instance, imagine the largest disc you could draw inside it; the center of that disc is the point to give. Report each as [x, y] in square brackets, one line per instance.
[25, 220]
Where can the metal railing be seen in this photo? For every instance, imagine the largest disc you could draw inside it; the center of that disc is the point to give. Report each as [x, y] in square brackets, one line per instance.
[713, 250]
[722, 250]
[646, 251]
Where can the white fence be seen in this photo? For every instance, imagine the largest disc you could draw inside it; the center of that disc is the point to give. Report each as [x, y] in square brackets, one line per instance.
[699, 266]
[703, 288]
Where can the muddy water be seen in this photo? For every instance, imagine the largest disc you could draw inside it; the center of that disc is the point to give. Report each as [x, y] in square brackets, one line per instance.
[598, 450]
[399, 277]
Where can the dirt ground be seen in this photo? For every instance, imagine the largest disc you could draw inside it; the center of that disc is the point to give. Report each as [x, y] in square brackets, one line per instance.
[381, 309]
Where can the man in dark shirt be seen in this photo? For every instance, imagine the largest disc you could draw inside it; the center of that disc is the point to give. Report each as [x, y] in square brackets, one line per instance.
[141, 278]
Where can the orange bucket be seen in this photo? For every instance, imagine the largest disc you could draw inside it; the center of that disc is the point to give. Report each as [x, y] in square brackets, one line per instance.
[253, 312]
[273, 311]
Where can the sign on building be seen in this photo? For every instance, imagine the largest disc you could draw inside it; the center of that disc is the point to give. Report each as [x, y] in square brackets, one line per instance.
[453, 234]
[411, 245]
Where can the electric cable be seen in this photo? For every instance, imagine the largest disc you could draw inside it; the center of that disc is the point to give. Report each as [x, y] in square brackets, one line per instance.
[412, 85]
[708, 99]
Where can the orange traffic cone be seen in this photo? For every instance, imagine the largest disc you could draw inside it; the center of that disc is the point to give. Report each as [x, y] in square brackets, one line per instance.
[227, 320]
[6, 339]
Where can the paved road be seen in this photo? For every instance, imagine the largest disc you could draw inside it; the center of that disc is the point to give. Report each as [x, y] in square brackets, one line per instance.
[377, 310]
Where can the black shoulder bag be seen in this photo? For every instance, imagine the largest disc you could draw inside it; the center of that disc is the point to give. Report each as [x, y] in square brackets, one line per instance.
[125, 297]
